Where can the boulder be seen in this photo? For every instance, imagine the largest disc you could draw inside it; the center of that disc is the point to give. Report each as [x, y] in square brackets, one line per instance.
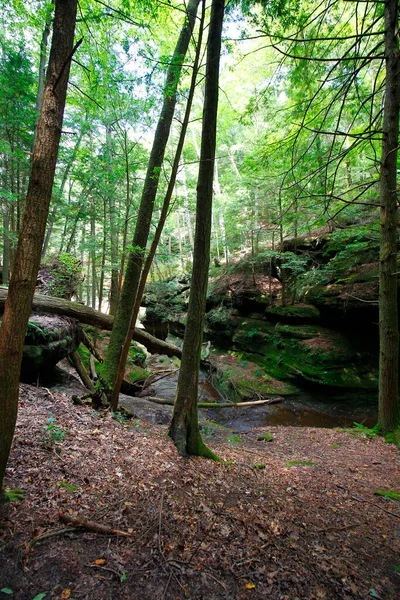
[48, 339]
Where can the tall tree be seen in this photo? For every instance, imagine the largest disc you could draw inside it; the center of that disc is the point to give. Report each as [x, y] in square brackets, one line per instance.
[184, 429]
[389, 407]
[23, 279]
[136, 257]
[163, 216]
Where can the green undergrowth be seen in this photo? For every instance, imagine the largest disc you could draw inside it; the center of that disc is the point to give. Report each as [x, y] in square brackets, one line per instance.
[391, 494]
[295, 312]
[14, 495]
[361, 431]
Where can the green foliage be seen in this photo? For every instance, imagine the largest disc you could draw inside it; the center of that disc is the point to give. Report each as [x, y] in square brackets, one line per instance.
[265, 437]
[391, 494]
[54, 434]
[60, 276]
[7, 591]
[13, 495]
[393, 437]
[68, 486]
[35, 333]
[234, 439]
[220, 319]
[259, 466]
[366, 432]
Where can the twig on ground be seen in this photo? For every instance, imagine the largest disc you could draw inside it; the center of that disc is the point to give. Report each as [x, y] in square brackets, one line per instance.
[50, 534]
[376, 506]
[113, 571]
[91, 525]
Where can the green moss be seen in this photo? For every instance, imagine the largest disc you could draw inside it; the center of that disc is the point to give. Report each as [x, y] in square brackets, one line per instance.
[84, 355]
[136, 373]
[68, 486]
[234, 439]
[14, 495]
[265, 437]
[393, 495]
[293, 312]
[393, 437]
[260, 466]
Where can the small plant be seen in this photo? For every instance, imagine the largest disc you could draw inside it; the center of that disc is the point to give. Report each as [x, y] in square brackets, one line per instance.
[265, 437]
[54, 434]
[68, 486]
[300, 463]
[260, 466]
[392, 494]
[365, 432]
[122, 418]
[234, 439]
[11, 495]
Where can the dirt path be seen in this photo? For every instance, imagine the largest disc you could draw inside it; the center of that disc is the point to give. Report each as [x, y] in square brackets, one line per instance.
[260, 526]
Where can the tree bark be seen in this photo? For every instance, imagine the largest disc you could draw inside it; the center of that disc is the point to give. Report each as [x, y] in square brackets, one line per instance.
[23, 280]
[126, 304]
[161, 221]
[389, 408]
[184, 429]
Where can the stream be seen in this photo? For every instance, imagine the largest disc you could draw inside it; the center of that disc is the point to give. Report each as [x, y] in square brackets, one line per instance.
[312, 407]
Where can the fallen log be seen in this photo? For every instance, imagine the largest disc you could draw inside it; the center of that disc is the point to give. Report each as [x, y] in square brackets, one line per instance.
[90, 316]
[215, 404]
[78, 521]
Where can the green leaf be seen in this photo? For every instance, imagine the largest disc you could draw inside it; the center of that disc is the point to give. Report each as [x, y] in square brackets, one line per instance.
[374, 594]
[40, 596]
[123, 577]
[7, 591]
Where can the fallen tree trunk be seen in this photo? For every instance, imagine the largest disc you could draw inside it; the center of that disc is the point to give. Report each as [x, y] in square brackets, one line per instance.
[215, 404]
[90, 316]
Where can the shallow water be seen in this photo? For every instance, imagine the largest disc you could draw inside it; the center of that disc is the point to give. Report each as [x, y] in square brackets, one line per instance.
[315, 407]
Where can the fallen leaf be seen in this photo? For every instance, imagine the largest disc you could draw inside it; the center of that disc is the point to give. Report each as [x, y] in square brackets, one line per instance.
[99, 561]
[250, 586]
[65, 594]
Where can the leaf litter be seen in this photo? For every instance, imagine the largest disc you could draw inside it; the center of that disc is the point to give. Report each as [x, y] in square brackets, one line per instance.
[193, 528]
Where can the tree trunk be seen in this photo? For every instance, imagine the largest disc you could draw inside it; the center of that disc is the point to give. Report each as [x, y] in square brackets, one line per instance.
[184, 429]
[27, 260]
[113, 232]
[389, 413]
[135, 260]
[161, 222]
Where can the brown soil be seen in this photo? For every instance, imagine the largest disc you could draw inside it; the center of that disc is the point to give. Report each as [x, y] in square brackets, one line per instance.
[256, 528]
[246, 283]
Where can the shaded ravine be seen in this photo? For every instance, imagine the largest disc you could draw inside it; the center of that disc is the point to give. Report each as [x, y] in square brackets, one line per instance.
[314, 407]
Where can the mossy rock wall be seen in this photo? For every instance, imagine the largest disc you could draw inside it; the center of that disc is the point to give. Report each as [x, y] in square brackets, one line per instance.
[48, 340]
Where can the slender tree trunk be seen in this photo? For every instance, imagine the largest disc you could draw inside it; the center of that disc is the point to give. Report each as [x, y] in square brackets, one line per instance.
[161, 221]
[23, 279]
[42, 67]
[103, 257]
[389, 411]
[136, 257]
[52, 218]
[113, 227]
[184, 429]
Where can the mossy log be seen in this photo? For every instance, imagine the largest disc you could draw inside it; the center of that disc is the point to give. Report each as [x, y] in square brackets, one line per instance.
[216, 404]
[90, 316]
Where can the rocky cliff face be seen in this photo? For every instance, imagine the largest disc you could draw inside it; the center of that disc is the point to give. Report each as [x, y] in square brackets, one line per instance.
[326, 333]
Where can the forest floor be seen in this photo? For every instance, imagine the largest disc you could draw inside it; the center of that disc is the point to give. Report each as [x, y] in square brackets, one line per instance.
[295, 518]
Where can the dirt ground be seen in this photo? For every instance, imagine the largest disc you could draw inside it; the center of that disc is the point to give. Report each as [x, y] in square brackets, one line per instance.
[291, 519]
